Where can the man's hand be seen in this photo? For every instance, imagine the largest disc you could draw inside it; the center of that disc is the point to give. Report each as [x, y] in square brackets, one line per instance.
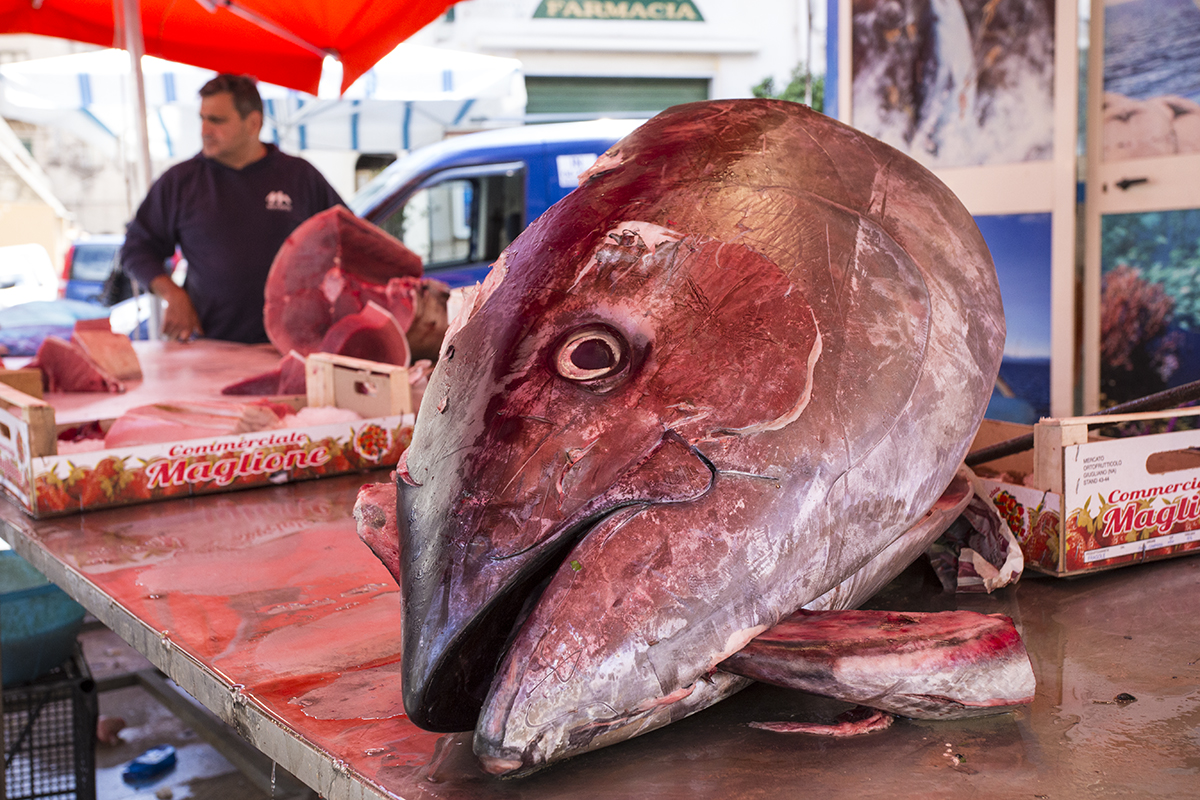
[179, 320]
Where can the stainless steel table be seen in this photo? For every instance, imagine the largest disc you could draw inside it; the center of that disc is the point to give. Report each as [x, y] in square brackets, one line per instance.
[264, 605]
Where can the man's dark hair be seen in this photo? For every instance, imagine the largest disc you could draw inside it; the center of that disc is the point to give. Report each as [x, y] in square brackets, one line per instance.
[241, 87]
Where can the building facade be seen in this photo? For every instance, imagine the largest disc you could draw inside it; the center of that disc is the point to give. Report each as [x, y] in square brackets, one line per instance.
[584, 58]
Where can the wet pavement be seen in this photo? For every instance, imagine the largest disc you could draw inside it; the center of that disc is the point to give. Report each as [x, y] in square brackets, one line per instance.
[201, 772]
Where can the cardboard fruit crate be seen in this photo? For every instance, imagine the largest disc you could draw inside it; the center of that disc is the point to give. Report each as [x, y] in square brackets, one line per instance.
[35, 476]
[1080, 503]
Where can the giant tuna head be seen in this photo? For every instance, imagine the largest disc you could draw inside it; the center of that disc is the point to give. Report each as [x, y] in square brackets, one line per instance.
[715, 381]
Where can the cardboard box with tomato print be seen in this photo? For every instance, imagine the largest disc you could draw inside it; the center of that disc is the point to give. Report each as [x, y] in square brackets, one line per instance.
[1080, 503]
[45, 483]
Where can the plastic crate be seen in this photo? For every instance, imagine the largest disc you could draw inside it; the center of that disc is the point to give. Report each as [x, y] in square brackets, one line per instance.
[38, 621]
[50, 735]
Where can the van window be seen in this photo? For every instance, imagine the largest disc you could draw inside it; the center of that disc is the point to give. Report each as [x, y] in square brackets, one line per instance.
[93, 262]
[461, 220]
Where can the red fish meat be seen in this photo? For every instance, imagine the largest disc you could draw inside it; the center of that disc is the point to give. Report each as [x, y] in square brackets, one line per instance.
[330, 267]
[943, 665]
[66, 367]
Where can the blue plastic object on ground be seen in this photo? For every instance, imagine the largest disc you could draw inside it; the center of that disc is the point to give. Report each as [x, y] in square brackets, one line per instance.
[150, 765]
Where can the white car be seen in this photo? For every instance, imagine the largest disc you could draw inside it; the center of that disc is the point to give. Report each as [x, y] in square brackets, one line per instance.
[26, 274]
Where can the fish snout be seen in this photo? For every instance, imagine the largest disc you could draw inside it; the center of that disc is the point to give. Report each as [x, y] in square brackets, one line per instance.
[470, 579]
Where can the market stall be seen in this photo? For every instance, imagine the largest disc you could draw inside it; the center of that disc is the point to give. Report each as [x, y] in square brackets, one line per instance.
[265, 606]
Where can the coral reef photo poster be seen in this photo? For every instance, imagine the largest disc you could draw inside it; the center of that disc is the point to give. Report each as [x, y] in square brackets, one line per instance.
[956, 83]
[1151, 103]
[1149, 303]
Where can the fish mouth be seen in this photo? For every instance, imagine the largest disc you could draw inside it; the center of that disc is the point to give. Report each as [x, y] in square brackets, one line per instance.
[467, 594]
[446, 679]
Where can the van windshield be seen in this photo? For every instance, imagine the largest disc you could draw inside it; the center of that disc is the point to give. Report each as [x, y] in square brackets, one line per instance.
[93, 262]
[461, 220]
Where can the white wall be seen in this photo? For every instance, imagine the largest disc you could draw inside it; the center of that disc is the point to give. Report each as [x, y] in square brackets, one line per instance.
[736, 46]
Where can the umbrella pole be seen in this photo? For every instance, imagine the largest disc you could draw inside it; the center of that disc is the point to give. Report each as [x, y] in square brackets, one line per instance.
[129, 13]
[131, 30]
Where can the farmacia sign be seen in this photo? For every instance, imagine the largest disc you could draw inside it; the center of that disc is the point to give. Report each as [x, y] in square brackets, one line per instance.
[672, 10]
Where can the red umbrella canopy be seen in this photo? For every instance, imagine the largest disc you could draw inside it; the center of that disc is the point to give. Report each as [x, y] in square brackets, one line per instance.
[237, 36]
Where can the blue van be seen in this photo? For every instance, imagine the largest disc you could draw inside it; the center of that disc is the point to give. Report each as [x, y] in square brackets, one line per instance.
[458, 203]
[87, 266]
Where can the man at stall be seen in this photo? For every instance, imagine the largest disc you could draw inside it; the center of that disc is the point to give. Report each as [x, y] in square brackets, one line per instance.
[229, 209]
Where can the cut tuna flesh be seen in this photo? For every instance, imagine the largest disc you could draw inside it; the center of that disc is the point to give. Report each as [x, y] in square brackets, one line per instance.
[291, 374]
[418, 379]
[330, 267]
[198, 419]
[375, 515]
[945, 665]
[286, 378]
[430, 320]
[67, 368]
[112, 352]
[372, 333]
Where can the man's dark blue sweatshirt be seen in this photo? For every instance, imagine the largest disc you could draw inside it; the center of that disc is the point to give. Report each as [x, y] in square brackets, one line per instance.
[229, 223]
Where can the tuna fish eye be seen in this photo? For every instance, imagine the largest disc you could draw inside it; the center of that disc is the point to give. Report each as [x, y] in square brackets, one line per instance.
[592, 354]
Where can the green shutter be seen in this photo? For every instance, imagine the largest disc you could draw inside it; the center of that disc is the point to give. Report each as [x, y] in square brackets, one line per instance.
[555, 95]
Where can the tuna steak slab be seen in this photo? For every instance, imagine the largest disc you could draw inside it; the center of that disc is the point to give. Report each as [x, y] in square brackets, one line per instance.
[332, 266]
[945, 665]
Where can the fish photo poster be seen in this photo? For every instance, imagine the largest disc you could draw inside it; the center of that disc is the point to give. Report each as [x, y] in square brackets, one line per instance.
[1151, 78]
[956, 83]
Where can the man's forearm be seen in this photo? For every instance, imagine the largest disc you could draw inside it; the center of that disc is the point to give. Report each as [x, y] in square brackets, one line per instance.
[164, 287]
[179, 320]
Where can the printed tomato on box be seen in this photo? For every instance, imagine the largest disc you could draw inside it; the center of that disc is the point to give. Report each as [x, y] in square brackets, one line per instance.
[106, 478]
[372, 442]
[1033, 517]
[1040, 544]
[51, 495]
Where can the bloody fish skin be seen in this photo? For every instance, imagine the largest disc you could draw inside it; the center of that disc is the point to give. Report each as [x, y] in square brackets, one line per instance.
[907, 355]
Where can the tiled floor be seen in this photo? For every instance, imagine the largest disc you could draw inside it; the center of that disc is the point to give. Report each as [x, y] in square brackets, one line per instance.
[201, 772]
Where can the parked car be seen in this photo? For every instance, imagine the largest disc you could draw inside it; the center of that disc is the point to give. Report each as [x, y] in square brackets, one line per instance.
[459, 202]
[26, 275]
[88, 265]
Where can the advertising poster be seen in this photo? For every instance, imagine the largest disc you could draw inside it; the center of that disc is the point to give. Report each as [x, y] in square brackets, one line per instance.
[1020, 246]
[956, 83]
[1151, 103]
[1149, 303]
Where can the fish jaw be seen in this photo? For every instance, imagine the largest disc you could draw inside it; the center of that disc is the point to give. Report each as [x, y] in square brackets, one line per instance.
[460, 623]
[628, 640]
[631, 639]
